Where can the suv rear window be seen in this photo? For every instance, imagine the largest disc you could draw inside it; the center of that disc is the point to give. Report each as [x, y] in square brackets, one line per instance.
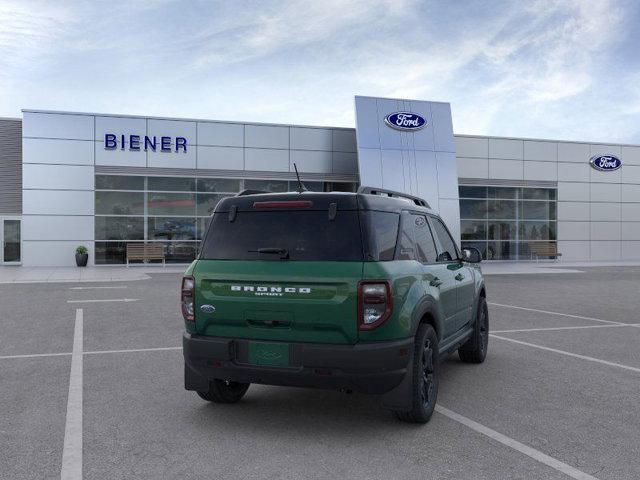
[307, 235]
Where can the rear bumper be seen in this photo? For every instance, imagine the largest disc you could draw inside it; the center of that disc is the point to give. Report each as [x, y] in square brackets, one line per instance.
[366, 367]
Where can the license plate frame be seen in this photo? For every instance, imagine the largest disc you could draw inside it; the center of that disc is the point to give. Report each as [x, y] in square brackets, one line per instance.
[269, 354]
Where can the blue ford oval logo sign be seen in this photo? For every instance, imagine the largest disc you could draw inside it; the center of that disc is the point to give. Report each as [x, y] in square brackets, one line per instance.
[405, 121]
[605, 163]
[208, 308]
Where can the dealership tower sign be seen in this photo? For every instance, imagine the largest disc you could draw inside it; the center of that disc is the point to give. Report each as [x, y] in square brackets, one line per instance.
[405, 121]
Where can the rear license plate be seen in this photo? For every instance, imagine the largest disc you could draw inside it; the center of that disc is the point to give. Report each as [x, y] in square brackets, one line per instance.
[272, 354]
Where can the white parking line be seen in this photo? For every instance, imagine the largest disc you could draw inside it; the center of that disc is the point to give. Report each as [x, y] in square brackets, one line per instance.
[98, 288]
[125, 300]
[562, 352]
[555, 313]
[35, 355]
[72, 450]
[548, 329]
[515, 445]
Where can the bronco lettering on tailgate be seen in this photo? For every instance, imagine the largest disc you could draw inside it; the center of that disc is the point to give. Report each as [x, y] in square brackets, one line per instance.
[270, 291]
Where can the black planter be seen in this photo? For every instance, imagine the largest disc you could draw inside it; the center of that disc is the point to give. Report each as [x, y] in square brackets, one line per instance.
[82, 259]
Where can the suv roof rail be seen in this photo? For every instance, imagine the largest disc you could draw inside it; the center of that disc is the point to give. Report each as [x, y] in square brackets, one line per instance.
[390, 193]
[250, 192]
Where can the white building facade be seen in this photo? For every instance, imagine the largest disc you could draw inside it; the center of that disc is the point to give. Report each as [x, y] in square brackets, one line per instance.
[104, 181]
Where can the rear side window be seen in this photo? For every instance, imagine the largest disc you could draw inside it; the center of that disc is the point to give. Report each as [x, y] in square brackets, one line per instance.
[448, 250]
[425, 245]
[406, 240]
[381, 231]
[305, 235]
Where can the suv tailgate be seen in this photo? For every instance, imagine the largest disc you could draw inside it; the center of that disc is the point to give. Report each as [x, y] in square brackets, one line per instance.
[303, 301]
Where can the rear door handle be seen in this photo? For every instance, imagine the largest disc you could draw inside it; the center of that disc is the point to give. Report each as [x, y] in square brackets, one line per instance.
[459, 277]
[436, 282]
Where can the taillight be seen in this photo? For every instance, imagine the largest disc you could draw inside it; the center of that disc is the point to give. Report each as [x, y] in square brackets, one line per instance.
[187, 298]
[375, 303]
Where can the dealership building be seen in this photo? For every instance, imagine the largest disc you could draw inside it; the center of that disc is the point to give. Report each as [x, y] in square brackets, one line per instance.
[105, 181]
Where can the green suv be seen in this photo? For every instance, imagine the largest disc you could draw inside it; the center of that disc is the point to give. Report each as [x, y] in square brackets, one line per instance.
[349, 291]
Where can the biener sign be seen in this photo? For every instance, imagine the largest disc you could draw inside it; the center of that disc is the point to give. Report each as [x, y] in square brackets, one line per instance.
[139, 142]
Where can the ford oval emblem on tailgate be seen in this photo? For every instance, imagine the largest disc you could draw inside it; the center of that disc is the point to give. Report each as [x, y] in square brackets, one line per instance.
[208, 308]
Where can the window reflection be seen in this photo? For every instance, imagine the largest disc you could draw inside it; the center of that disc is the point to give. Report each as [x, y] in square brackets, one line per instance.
[502, 222]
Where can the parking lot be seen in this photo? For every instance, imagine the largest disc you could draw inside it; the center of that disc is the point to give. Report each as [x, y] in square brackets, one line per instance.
[91, 378]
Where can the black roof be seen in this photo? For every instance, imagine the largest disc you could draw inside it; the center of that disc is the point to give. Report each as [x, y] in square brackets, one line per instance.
[321, 200]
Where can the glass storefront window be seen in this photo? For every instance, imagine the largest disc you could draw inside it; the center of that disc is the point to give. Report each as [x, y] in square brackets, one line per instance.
[171, 184]
[109, 253]
[473, 230]
[119, 203]
[502, 251]
[207, 203]
[472, 192]
[538, 194]
[515, 218]
[229, 185]
[502, 192]
[119, 182]
[473, 209]
[501, 209]
[167, 228]
[202, 223]
[119, 228]
[267, 185]
[538, 210]
[502, 230]
[11, 241]
[171, 204]
[538, 230]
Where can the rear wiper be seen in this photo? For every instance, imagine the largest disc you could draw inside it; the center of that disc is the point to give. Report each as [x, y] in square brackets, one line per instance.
[283, 252]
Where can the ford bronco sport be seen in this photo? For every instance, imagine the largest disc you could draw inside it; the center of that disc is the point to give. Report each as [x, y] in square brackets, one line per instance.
[349, 291]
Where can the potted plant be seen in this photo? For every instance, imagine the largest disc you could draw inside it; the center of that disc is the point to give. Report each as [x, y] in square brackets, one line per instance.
[82, 256]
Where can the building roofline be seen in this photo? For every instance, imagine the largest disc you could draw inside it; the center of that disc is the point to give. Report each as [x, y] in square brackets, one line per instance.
[180, 119]
[548, 140]
[11, 118]
[402, 99]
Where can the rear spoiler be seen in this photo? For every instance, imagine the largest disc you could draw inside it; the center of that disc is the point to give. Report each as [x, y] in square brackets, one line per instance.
[390, 193]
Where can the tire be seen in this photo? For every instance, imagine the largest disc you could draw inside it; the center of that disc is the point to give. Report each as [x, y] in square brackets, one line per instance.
[425, 376]
[221, 391]
[475, 350]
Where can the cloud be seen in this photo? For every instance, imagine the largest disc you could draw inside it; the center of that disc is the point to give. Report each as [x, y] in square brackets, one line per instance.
[28, 29]
[527, 68]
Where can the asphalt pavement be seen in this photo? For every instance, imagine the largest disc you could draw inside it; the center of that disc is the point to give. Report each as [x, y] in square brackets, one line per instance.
[556, 398]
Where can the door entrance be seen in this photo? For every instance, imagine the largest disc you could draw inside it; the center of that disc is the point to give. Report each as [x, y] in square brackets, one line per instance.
[10, 240]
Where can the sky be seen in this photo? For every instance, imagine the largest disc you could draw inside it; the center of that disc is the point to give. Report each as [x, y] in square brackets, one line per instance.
[565, 69]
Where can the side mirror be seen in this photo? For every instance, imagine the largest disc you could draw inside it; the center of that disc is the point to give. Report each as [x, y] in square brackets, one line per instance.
[471, 255]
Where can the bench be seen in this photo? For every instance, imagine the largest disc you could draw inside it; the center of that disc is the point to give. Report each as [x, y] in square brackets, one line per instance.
[145, 252]
[544, 249]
